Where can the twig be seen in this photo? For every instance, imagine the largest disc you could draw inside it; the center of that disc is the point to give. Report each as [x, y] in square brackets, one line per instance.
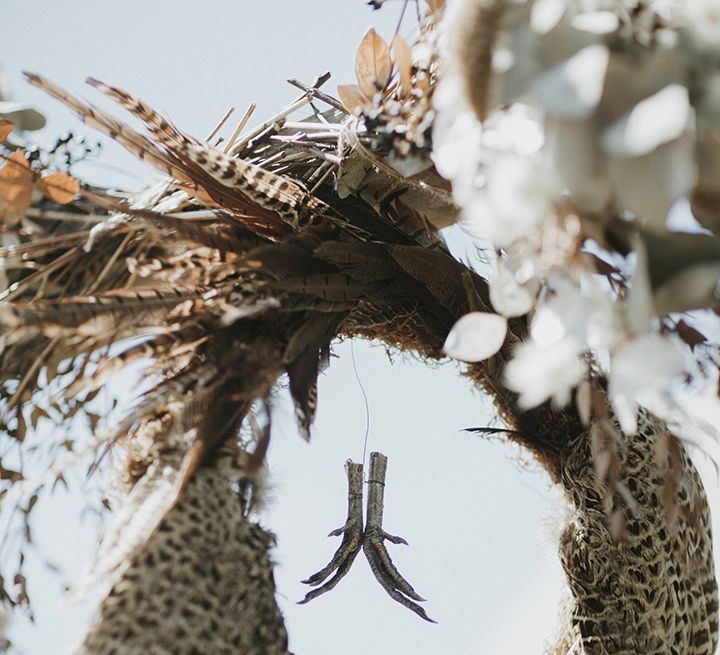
[385, 572]
[240, 126]
[222, 122]
[307, 126]
[56, 215]
[270, 122]
[320, 95]
[352, 533]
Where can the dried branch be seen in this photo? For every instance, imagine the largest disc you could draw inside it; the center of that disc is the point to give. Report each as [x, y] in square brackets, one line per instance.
[385, 572]
[352, 533]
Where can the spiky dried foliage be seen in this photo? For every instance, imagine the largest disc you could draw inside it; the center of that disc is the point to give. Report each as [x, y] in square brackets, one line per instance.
[242, 267]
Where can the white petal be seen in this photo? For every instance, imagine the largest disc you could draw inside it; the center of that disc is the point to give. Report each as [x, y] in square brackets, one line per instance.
[520, 191]
[508, 297]
[639, 307]
[694, 287]
[702, 24]
[596, 22]
[476, 336]
[574, 88]
[457, 143]
[547, 326]
[546, 14]
[670, 172]
[659, 119]
[579, 162]
[626, 410]
[646, 363]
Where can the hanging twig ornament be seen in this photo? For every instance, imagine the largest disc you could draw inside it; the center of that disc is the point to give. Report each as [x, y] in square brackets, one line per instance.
[374, 537]
[371, 538]
[352, 533]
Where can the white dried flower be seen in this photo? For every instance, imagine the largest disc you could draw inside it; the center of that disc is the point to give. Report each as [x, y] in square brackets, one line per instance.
[538, 373]
[701, 23]
[574, 87]
[640, 371]
[659, 119]
[508, 296]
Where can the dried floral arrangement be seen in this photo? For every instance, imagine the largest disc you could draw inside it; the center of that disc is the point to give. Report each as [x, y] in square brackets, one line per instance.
[560, 133]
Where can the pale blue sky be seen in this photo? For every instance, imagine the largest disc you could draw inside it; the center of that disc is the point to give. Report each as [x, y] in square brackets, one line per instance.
[480, 524]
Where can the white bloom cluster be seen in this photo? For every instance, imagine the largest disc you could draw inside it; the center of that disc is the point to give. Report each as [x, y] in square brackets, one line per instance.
[600, 113]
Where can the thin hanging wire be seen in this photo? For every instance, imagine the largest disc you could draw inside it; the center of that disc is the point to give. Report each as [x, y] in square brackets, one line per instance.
[365, 399]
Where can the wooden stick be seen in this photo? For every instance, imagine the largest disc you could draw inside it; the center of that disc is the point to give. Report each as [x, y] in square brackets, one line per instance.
[320, 95]
[277, 118]
[240, 126]
[385, 572]
[222, 122]
[352, 533]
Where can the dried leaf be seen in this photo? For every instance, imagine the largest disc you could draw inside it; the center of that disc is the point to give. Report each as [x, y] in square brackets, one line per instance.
[59, 187]
[403, 61]
[352, 98]
[603, 267]
[690, 335]
[617, 526]
[21, 429]
[662, 448]
[5, 128]
[583, 401]
[37, 413]
[20, 581]
[16, 181]
[31, 503]
[9, 474]
[60, 479]
[372, 64]
[436, 7]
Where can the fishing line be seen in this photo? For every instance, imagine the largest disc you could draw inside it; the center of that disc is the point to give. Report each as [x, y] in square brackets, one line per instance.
[365, 399]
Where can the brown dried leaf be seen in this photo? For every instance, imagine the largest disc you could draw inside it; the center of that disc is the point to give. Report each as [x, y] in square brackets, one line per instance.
[5, 128]
[60, 479]
[603, 462]
[690, 335]
[59, 187]
[599, 404]
[662, 448]
[16, 182]
[436, 7]
[31, 503]
[352, 98]
[603, 267]
[583, 401]
[37, 413]
[21, 428]
[372, 64]
[20, 581]
[403, 61]
[617, 526]
[9, 474]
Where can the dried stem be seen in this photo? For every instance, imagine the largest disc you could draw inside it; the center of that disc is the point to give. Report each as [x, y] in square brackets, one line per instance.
[352, 533]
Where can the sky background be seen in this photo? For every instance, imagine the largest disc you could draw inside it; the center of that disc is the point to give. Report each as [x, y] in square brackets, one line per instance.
[481, 520]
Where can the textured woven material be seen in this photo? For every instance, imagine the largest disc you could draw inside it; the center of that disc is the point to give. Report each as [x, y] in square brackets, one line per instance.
[202, 585]
[654, 591]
